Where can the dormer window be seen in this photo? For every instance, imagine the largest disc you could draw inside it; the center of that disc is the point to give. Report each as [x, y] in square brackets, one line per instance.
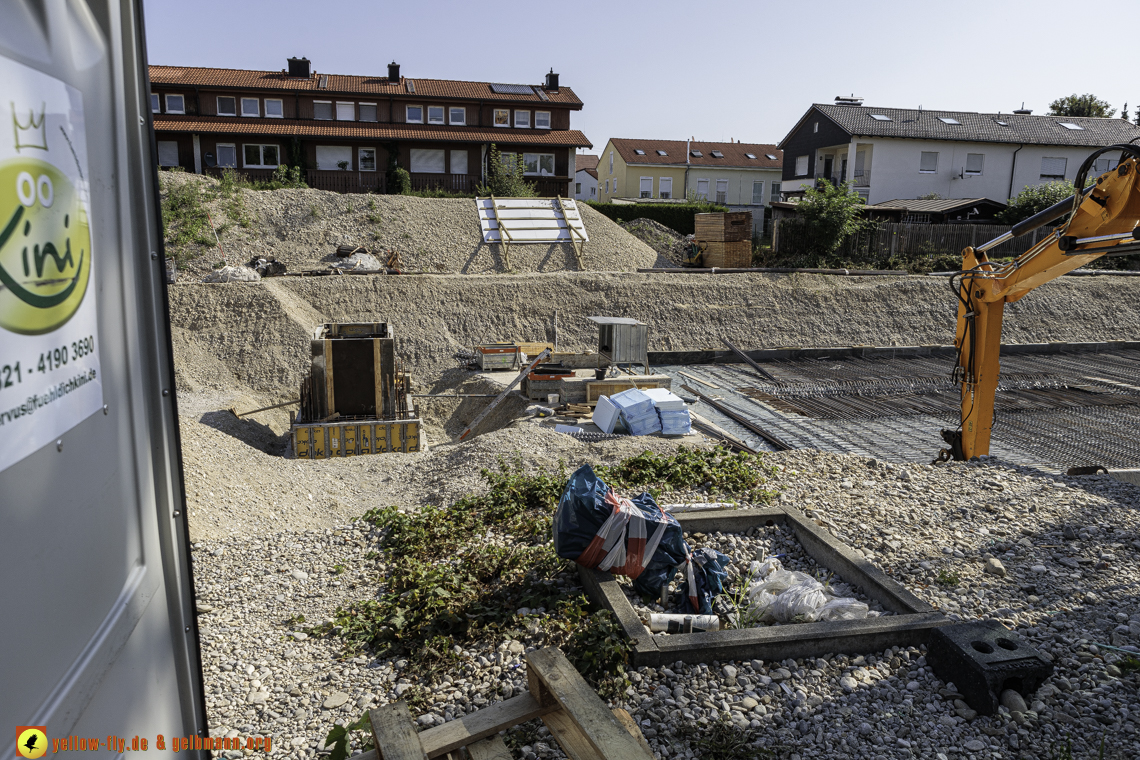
[522, 119]
[154, 106]
[542, 119]
[458, 116]
[435, 114]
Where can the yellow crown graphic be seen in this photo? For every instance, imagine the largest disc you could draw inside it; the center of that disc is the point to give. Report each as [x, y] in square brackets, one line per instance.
[34, 133]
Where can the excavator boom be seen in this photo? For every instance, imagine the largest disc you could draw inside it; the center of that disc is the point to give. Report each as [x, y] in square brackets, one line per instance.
[1102, 221]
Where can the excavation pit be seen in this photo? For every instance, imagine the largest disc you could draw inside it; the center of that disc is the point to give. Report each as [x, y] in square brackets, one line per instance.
[909, 624]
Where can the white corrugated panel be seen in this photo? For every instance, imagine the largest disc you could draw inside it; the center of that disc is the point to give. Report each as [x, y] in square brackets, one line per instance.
[530, 220]
[427, 161]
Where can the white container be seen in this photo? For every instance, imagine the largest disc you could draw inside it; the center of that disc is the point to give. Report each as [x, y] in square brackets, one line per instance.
[605, 414]
[552, 398]
[683, 623]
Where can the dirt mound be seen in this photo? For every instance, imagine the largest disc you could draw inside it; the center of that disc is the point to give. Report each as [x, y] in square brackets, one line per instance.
[668, 243]
[302, 229]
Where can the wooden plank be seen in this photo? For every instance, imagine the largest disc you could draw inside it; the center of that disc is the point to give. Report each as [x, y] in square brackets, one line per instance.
[489, 749]
[702, 382]
[480, 724]
[562, 683]
[630, 725]
[570, 738]
[394, 733]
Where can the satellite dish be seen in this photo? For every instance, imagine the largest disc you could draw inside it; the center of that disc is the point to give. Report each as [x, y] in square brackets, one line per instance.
[210, 160]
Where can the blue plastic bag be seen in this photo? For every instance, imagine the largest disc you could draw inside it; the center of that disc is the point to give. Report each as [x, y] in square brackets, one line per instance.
[709, 571]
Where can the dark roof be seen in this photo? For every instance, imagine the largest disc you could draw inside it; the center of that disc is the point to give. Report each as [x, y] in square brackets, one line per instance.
[194, 76]
[939, 206]
[975, 127]
[585, 161]
[592, 172]
[368, 130]
[735, 154]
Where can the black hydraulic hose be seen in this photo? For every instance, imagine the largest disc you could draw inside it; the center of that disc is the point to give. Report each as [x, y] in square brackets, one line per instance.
[1041, 218]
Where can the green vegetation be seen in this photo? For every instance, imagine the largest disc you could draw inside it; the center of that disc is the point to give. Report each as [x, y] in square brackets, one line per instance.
[739, 474]
[1129, 664]
[678, 217]
[1034, 199]
[185, 221]
[723, 740]
[505, 177]
[1083, 105]
[948, 578]
[830, 213]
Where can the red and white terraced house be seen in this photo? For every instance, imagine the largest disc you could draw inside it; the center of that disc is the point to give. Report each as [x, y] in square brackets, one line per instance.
[342, 128]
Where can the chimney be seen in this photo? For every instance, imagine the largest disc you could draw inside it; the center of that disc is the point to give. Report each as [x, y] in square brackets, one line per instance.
[551, 81]
[848, 100]
[394, 72]
[1023, 110]
[299, 67]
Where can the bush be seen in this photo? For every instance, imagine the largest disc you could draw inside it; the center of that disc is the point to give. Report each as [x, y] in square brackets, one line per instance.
[676, 216]
[399, 181]
[830, 214]
[1035, 198]
[506, 180]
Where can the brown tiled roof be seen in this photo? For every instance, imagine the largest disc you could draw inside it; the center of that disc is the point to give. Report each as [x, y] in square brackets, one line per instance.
[193, 76]
[367, 130]
[585, 161]
[734, 153]
[592, 172]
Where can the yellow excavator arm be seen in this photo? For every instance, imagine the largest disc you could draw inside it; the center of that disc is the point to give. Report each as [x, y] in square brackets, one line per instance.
[1102, 220]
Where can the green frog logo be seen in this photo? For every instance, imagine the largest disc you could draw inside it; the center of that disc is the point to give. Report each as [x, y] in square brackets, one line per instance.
[45, 247]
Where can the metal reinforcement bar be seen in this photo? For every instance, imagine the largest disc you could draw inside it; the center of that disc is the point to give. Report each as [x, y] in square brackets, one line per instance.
[750, 361]
[537, 360]
[774, 270]
[739, 418]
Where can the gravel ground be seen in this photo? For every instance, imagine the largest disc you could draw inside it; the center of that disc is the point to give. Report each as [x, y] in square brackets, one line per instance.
[668, 243]
[303, 228]
[1067, 582]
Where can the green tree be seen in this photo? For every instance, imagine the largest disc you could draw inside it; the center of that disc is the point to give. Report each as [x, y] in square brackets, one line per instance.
[1035, 198]
[830, 213]
[1081, 105]
[1124, 112]
[505, 177]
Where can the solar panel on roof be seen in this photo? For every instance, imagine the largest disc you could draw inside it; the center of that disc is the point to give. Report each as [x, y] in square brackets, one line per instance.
[512, 89]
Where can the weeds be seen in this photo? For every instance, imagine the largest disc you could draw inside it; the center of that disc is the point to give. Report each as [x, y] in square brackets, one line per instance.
[1129, 664]
[739, 474]
[948, 578]
[185, 220]
[722, 740]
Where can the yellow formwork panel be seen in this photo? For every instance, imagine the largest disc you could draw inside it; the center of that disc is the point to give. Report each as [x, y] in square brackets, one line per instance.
[344, 439]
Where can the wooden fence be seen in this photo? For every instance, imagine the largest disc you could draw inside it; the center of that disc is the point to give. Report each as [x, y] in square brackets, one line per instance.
[902, 240]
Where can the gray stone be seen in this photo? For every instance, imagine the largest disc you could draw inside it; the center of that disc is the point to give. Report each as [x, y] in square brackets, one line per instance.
[729, 671]
[865, 729]
[257, 697]
[1069, 532]
[995, 567]
[299, 574]
[781, 674]
[516, 647]
[335, 700]
[1039, 569]
[299, 635]
[1013, 701]
[848, 683]
[975, 746]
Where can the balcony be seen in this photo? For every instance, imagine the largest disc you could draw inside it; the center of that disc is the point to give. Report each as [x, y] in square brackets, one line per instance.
[338, 181]
[862, 178]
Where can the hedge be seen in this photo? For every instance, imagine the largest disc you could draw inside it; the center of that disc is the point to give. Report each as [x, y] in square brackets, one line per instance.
[675, 216]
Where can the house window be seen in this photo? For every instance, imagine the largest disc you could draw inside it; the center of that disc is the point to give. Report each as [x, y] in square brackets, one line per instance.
[154, 106]
[435, 114]
[322, 109]
[227, 155]
[345, 111]
[167, 153]
[615, 187]
[415, 114]
[646, 187]
[539, 163]
[458, 116]
[928, 162]
[607, 185]
[542, 119]
[175, 104]
[334, 157]
[757, 193]
[260, 155]
[274, 108]
[974, 162]
[665, 187]
[502, 117]
[611, 162]
[250, 107]
[801, 166]
[227, 106]
[459, 162]
[577, 188]
[1105, 165]
[815, 127]
[1053, 168]
[722, 191]
[703, 189]
[775, 192]
[593, 191]
[428, 161]
[368, 112]
[522, 119]
[366, 159]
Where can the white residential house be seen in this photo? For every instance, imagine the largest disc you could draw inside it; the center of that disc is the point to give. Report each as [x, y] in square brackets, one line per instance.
[585, 177]
[891, 153]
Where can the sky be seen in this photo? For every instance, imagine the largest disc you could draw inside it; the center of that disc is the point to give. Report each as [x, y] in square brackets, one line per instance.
[672, 70]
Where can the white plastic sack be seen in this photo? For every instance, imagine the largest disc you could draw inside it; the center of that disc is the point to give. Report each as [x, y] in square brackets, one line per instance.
[781, 580]
[842, 609]
[232, 274]
[801, 600]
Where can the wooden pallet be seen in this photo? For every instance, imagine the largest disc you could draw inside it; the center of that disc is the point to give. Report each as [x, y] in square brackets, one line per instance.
[577, 718]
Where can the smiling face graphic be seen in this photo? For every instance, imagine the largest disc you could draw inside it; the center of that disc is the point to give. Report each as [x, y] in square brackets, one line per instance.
[45, 247]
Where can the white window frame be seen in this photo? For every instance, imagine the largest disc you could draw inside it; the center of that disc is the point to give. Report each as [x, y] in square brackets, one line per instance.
[641, 191]
[577, 188]
[332, 110]
[518, 113]
[442, 115]
[593, 191]
[155, 103]
[719, 182]
[256, 107]
[1053, 177]
[360, 152]
[538, 164]
[170, 95]
[774, 192]
[611, 162]
[376, 109]
[977, 173]
[662, 183]
[351, 104]
[924, 153]
[607, 187]
[218, 154]
[261, 155]
[756, 182]
[218, 105]
[505, 112]
[452, 110]
[408, 115]
[280, 107]
[537, 119]
[705, 194]
[801, 166]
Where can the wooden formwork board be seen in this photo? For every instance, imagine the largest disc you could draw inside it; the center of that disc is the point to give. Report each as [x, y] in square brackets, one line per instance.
[328, 440]
[609, 387]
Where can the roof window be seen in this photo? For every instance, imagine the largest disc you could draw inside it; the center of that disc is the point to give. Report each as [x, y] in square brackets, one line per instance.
[1070, 125]
[770, 156]
[639, 151]
[880, 117]
[717, 154]
[948, 120]
[697, 154]
[999, 121]
[662, 153]
[750, 155]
